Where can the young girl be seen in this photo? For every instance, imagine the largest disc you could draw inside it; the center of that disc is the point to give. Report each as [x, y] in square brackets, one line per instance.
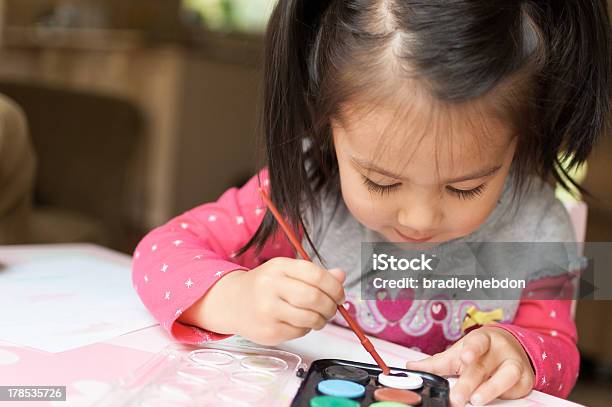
[404, 121]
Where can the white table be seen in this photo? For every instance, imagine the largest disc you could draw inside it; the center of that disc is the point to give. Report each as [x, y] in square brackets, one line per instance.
[88, 372]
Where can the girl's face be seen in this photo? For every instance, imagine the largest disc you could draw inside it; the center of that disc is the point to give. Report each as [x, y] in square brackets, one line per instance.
[422, 181]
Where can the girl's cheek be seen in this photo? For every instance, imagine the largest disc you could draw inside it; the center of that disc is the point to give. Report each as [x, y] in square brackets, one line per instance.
[465, 221]
[368, 208]
[465, 216]
[362, 208]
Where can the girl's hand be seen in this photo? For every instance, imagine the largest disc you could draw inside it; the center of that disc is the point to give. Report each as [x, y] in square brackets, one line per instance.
[490, 363]
[280, 300]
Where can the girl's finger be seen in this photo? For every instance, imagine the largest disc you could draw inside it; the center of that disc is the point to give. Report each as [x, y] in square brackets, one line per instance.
[338, 274]
[300, 318]
[472, 376]
[287, 331]
[302, 295]
[274, 333]
[318, 277]
[523, 387]
[474, 345]
[507, 375]
[443, 363]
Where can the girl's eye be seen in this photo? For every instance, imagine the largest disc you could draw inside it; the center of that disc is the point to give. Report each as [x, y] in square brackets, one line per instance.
[380, 189]
[467, 193]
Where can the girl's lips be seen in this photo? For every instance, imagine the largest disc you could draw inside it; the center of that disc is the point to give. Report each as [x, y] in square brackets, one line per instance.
[410, 239]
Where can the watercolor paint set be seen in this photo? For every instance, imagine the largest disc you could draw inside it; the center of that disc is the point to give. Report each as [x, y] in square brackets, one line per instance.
[342, 383]
[238, 374]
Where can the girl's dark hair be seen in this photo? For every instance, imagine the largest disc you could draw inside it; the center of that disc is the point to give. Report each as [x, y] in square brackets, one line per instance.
[550, 58]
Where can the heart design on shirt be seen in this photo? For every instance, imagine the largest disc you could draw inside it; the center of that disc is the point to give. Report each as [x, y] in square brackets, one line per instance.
[394, 309]
[350, 307]
[438, 311]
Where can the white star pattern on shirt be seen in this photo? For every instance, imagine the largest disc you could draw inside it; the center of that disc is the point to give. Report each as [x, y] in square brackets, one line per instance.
[184, 225]
[164, 268]
[218, 273]
[543, 379]
[553, 314]
[167, 295]
[154, 247]
[177, 243]
[560, 386]
[544, 356]
[258, 211]
[558, 365]
[198, 257]
[137, 255]
[522, 335]
[266, 182]
[212, 218]
[189, 283]
[178, 312]
[239, 220]
[232, 255]
[553, 333]
[146, 278]
[541, 339]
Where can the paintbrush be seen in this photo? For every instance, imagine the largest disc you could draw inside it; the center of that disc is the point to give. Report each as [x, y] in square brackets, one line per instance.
[347, 317]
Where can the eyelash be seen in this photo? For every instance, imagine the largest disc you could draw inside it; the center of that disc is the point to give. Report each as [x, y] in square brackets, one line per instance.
[387, 189]
[379, 189]
[468, 194]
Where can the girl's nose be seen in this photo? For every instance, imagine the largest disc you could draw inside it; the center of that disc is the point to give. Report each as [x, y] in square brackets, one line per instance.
[419, 219]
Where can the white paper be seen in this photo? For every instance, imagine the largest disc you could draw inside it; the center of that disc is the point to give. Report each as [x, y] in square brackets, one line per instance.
[57, 304]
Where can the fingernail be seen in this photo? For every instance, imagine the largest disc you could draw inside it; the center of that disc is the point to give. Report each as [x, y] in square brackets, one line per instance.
[476, 399]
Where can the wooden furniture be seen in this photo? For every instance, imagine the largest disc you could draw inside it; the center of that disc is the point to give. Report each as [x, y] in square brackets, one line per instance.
[198, 102]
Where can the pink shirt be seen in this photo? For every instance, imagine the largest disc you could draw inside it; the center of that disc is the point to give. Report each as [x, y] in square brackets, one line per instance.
[177, 263]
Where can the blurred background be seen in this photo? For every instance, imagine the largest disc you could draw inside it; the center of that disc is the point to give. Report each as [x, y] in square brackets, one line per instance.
[133, 107]
[116, 115]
